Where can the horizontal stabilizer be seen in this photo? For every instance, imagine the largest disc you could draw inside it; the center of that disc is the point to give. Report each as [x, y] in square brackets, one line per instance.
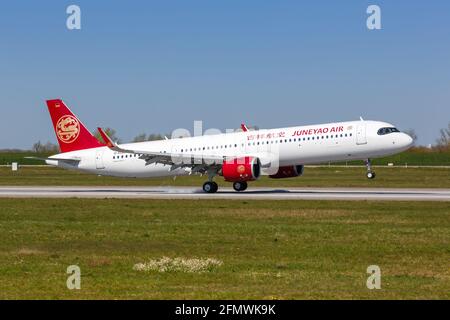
[69, 160]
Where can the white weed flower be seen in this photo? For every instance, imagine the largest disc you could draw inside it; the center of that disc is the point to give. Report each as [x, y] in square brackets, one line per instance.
[166, 264]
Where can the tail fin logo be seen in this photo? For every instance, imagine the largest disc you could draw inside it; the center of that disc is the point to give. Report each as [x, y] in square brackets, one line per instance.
[68, 129]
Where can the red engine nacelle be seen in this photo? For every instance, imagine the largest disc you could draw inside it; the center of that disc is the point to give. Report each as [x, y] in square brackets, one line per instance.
[241, 169]
[288, 172]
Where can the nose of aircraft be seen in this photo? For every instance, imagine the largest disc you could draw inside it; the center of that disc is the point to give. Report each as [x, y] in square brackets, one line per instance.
[406, 141]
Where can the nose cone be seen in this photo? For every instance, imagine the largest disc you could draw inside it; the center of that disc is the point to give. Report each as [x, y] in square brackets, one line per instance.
[406, 141]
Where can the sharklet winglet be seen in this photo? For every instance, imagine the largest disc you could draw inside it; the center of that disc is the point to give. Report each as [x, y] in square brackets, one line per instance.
[109, 143]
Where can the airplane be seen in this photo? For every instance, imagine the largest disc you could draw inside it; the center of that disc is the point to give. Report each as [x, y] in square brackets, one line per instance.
[239, 157]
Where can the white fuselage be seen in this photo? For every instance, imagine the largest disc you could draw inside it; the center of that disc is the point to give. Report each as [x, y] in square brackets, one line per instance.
[353, 140]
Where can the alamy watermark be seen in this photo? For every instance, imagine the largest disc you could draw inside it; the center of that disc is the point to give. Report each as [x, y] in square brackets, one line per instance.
[374, 20]
[73, 21]
[264, 144]
[374, 280]
[74, 280]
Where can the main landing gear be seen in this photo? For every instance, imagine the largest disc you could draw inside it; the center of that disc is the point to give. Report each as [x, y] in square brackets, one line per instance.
[240, 186]
[370, 174]
[210, 187]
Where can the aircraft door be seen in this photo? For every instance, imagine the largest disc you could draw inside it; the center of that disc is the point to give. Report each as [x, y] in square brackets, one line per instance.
[361, 134]
[99, 160]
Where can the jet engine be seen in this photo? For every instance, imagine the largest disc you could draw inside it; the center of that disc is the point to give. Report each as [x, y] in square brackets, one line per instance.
[241, 169]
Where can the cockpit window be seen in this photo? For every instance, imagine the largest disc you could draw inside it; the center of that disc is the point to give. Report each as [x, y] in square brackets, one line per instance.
[387, 130]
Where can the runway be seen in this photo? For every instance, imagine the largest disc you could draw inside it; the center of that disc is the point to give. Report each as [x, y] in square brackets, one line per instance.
[227, 193]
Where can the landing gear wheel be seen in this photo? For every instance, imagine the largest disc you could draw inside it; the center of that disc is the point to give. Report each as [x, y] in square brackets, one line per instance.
[240, 186]
[371, 175]
[210, 187]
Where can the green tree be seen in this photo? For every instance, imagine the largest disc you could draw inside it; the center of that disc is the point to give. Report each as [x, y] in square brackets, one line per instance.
[154, 137]
[140, 138]
[444, 140]
[49, 147]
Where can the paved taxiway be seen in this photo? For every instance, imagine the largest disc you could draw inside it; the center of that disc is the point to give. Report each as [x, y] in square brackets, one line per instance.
[227, 193]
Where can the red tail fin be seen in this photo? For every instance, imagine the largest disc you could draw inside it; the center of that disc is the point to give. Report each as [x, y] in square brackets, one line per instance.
[72, 135]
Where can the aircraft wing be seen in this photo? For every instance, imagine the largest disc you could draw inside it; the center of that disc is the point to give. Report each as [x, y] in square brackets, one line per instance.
[176, 160]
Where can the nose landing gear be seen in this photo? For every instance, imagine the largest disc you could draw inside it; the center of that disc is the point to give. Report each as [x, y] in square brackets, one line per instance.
[370, 174]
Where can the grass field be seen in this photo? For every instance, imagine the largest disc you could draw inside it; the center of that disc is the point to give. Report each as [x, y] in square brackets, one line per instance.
[313, 177]
[269, 250]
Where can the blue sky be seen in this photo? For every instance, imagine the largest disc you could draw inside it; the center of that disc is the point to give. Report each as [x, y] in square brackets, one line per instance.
[154, 66]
